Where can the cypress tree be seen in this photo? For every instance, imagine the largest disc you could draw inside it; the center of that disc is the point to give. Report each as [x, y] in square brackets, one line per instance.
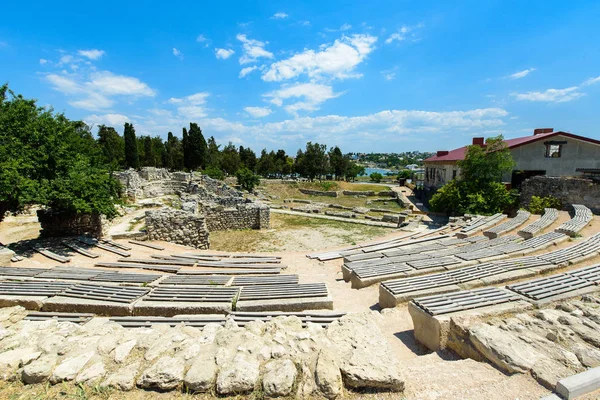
[198, 149]
[187, 159]
[131, 152]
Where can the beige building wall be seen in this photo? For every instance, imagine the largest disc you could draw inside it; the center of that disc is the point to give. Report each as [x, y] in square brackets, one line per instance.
[574, 154]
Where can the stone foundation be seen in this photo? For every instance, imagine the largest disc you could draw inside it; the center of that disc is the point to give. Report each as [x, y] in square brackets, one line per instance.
[56, 224]
[568, 190]
[242, 216]
[177, 226]
[319, 192]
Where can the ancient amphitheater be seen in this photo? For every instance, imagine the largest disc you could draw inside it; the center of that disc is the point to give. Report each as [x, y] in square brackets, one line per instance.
[484, 307]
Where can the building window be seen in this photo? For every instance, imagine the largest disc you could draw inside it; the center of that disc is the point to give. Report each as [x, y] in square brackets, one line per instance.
[454, 174]
[553, 150]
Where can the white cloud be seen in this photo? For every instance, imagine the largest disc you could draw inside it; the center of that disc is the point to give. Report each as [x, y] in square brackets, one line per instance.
[192, 106]
[252, 49]
[312, 95]
[65, 59]
[111, 84]
[43, 61]
[93, 91]
[114, 120]
[551, 95]
[389, 74]
[345, 27]
[92, 54]
[203, 40]
[247, 70]
[223, 54]
[280, 15]
[258, 112]
[404, 33]
[521, 74]
[337, 60]
[177, 53]
[591, 81]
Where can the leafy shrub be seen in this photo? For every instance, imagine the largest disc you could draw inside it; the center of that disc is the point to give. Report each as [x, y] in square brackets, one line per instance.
[215, 173]
[246, 179]
[457, 197]
[405, 173]
[537, 204]
[327, 186]
[376, 177]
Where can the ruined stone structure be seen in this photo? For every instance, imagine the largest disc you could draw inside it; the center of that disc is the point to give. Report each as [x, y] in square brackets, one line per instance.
[206, 205]
[177, 226]
[62, 224]
[568, 190]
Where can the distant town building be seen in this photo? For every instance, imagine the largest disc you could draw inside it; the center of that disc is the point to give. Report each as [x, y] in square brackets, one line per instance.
[412, 167]
[544, 153]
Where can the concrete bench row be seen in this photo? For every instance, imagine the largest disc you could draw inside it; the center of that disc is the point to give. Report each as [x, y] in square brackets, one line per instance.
[365, 273]
[394, 292]
[162, 300]
[513, 223]
[480, 224]
[198, 321]
[581, 218]
[550, 215]
[432, 315]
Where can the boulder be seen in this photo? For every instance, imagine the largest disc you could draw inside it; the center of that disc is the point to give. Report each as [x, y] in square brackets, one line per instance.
[13, 359]
[69, 368]
[279, 378]
[124, 378]
[92, 373]
[201, 375]
[123, 350]
[366, 358]
[239, 375]
[165, 374]
[39, 370]
[327, 375]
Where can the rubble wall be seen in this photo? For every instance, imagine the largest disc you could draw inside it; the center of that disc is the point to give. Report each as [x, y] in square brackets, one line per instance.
[568, 190]
[177, 226]
[56, 224]
[242, 216]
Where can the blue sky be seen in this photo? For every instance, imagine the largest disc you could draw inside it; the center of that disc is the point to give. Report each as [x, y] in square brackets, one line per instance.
[386, 76]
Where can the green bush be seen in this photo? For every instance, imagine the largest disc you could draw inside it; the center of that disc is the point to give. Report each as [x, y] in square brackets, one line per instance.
[405, 174]
[376, 177]
[537, 204]
[327, 186]
[246, 179]
[457, 197]
[214, 172]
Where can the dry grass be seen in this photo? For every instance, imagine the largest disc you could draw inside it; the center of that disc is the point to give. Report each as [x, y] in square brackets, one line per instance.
[295, 233]
[290, 191]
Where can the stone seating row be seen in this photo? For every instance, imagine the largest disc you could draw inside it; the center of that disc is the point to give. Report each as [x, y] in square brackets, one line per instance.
[480, 224]
[433, 315]
[164, 300]
[394, 292]
[550, 215]
[581, 218]
[513, 223]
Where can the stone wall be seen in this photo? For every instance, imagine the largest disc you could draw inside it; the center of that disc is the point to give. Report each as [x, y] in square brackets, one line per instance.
[177, 226]
[56, 224]
[319, 192]
[152, 182]
[568, 190]
[242, 216]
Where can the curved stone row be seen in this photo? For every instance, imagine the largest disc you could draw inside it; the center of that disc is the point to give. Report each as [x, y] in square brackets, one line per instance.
[278, 358]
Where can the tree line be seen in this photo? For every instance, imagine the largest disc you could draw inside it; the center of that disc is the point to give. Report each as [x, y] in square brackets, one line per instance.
[48, 160]
[193, 152]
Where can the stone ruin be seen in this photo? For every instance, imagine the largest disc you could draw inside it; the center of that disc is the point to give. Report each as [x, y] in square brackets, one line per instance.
[206, 205]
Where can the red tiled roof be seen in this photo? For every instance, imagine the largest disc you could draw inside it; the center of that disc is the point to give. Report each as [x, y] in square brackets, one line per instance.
[459, 154]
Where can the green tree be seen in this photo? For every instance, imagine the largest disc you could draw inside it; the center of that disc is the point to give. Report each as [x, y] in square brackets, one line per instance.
[174, 153]
[376, 177]
[479, 189]
[214, 172]
[195, 148]
[405, 173]
[339, 164]
[44, 156]
[314, 161]
[187, 157]
[214, 154]
[131, 150]
[112, 145]
[353, 171]
[230, 159]
[246, 179]
[248, 158]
